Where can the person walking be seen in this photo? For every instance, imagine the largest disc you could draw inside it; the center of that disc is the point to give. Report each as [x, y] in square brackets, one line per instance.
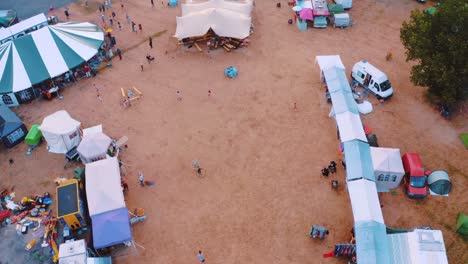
[201, 258]
[140, 27]
[141, 178]
[209, 93]
[113, 14]
[120, 26]
[179, 95]
[103, 18]
[152, 3]
[67, 14]
[325, 172]
[119, 53]
[128, 19]
[111, 20]
[150, 42]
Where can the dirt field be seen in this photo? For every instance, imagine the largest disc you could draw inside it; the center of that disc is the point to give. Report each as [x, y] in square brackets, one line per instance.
[261, 188]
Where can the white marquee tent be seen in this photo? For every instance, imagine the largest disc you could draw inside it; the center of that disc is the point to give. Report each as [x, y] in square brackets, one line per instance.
[223, 22]
[350, 127]
[61, 132]
[244, 8]
[388, 167]
[94, 147]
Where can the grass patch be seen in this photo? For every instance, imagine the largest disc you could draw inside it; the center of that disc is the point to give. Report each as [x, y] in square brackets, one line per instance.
[447, 226]
[394, 193]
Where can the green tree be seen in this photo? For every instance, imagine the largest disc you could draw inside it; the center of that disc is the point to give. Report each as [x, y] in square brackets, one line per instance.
[439, 44]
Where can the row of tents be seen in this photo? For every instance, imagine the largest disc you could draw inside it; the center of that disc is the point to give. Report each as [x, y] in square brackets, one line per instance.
[373, 243]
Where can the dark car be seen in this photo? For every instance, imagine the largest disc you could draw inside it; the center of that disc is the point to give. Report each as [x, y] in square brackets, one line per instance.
[415, 179]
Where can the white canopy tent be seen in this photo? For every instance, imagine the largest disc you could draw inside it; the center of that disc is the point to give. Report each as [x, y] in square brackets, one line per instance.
[61, 132]
[103, 189]
[350, 127]
[94, 147]
[244, 8]
[223, 22]
[388, 167]
[327, 62]
[364, 201]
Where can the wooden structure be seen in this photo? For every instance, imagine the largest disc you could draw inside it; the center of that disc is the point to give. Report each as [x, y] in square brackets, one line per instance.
[131, 95]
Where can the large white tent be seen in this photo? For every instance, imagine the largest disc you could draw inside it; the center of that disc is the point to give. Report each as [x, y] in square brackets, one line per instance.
[388, 168]
[103, 189]
[61, 132]
[46, 53]
[93, 147]
[223, 22]
[244, 8]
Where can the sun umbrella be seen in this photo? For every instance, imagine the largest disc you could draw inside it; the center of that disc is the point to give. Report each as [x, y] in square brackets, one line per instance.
[306, 14]
[297, 8]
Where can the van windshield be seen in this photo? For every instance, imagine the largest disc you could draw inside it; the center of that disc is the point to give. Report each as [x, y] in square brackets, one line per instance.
[417, 182]
[385, 86]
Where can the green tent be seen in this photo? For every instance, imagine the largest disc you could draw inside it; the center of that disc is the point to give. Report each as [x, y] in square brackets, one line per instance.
[335, 9]
[431, 10]
[462, 224]
[464, 139]
[8, 18]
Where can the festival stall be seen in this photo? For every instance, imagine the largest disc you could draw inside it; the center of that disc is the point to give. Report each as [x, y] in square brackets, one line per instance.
[93, 147]
[388, 168]
[12, 129]
[61, 132]
[107, 209]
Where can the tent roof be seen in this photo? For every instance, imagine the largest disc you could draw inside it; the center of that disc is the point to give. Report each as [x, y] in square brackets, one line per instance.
[350, 127]
[358, 161]
[335, 8]
[244, 8]
[364, 201]
[437, 176]
[329, 61]
[103, 189]
[387, 159]
[59, 123]
[46, 53]
[223, 22]
[9, 121]
[372, 244]
[111, 228]
[336, 79]
[343, 101]
[94, 145]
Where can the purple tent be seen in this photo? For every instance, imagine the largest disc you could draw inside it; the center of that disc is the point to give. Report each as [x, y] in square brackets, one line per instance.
[306, 14]
[111, 228]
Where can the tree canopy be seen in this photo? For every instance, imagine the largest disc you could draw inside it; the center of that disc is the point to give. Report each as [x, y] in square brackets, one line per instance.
[439, 43]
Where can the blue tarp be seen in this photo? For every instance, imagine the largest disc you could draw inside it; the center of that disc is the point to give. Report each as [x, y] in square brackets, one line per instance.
[372, 244]
[173, 3]
[336, 80]
[111, 228]
[358, 160]
[301, 24]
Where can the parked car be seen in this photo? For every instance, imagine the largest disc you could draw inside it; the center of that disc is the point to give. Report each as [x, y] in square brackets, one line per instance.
[415, 178]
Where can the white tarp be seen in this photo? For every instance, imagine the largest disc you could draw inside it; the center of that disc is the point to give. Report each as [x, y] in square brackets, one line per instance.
[244, 8]
[350, 127]
[388, 167]
[223, 22]
[103, 189]
[93, 147]
[364, 201]
[61, 132]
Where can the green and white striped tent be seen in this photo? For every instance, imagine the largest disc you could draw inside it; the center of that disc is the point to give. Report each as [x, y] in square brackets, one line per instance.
[46, 53]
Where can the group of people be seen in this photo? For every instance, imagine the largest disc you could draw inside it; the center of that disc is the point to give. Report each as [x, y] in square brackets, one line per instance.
[331, 168]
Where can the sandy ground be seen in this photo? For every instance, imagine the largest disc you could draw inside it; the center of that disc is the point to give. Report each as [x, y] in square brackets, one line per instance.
[261, 188]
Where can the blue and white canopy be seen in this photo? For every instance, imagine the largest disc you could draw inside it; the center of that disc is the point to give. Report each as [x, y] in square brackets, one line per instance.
[46, 53]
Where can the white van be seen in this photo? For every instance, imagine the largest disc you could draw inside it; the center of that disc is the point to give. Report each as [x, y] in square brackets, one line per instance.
[372, 79]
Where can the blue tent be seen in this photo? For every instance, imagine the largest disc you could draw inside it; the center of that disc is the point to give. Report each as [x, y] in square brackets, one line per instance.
[372, 244]
[172, 3]
[111, 228]
[12, 129]
[358, 161]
